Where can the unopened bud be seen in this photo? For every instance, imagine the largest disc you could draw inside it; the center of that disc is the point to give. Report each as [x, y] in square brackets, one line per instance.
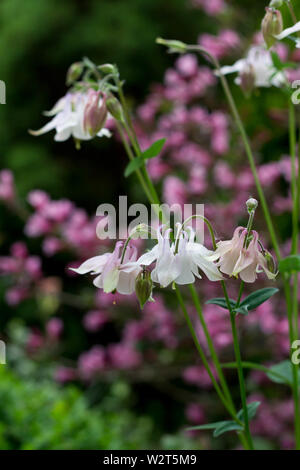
[271, 26]
[107, 68]
[94, 114]
[173, 45]
[247, 79]
[251, 204]
[276, 3]
[74, 72]
[115, 109]
[271, 264]
[143, 287]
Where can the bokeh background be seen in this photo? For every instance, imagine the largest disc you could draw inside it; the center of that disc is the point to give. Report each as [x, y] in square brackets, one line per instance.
[88, 371]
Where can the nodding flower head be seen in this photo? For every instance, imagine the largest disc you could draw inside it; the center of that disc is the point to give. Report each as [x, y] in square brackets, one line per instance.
[116, 271]
[69, 118]
[179, 261]
[237, 258]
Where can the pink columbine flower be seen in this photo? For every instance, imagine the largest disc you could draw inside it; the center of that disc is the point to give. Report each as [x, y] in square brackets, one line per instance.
[237, 260]
[114, 274]
[68, 118]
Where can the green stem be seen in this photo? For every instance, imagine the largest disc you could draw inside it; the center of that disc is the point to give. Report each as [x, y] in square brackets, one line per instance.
[293, 300]
[131, 157]
[246, 143]
[210, 344]
[203, 357]
[239, 367]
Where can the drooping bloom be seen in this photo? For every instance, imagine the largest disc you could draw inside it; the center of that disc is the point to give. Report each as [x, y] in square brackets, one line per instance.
[68, 118]
[113, 273]
[259, 61]
[237, 260]
[179, 261]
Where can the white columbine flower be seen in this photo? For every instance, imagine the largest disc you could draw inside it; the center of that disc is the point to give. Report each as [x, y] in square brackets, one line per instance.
[68, 118]
[179, 261]
[288, 31]
[259, 60]
[114, 273]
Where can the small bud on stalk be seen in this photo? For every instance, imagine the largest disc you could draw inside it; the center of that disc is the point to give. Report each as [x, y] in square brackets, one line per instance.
[95, 115]
[251, 204]
[143, 287]
[107, 68]
[276, 3]
[114, 108]
[271, 26]
[173, 45]
[74, 72]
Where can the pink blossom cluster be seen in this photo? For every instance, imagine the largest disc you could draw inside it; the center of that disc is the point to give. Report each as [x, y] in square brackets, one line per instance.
[61, 224]
[211, 7]
[23, 271]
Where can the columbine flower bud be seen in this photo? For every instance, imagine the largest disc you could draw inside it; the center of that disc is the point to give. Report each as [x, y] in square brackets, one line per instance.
[95, 115]
[107, 68]
[276, 3]
[271, 264]
[114, 108]
[173, 45]
[143, 287]
[74, 72]
[251, 204]
[271, 26]
[247, 79]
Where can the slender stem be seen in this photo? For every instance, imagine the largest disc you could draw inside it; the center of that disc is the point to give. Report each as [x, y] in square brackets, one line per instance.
[131, 157]
[211, 347]
[240, 294]
[293, 300]
[246, 143]
[239, 367]
[292, 11]
[203, 357]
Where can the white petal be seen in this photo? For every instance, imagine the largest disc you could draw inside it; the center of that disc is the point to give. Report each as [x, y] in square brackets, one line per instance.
[104, 132]
[126, 284]
[286, 32]
[110, 280]
[93, 265]
[186, 275]
[147, 258]
[237, 67]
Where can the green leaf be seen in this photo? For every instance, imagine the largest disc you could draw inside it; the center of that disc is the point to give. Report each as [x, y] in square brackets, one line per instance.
[221, 302]
[282, 373]
[258, 297]
[219, 428]
[204, 427]
[252, 409]
[139, 161]
[153, 150]
[242, 310]
[289, 264]
[227, 426]
[133, 165]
